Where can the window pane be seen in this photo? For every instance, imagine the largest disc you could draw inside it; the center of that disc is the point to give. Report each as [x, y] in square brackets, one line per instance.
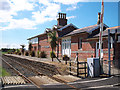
[80, 43]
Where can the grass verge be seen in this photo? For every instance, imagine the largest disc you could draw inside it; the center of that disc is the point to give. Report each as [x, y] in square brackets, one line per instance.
[3, 72]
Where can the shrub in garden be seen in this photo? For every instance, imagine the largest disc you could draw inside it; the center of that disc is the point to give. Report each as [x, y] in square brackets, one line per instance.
[10, 51]
[52, 54]
[65, 57]
[32, 53]
[19, 53]
[43, 54]
[38, 54]
[26, 53]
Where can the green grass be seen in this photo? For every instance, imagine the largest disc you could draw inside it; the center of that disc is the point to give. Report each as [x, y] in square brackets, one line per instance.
[4, 52]
[3, 72]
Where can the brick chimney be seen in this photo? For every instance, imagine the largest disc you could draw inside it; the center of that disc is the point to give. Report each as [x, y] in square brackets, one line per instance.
[62, 19]
[98, 22]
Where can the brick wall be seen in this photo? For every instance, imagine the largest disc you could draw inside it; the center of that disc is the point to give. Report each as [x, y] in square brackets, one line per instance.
[34, 47]
[88, 48]
[45, 46]
[117, 56]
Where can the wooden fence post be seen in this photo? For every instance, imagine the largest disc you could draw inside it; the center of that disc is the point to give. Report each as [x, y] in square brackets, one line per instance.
[70, 66]
[77, 65]
[85, 69]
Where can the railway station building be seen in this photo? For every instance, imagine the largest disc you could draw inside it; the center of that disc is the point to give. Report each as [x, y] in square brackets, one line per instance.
[84, 41]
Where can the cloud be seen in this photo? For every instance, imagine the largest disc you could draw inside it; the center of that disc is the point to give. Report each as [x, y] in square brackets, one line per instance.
[47, 14]
[6, 45]
[68, 2]
[41, 11]
[71, 8]
[47, 11]
[4, 5]
[21, 23]
[10, 8]
[70, 17]
[12, 45]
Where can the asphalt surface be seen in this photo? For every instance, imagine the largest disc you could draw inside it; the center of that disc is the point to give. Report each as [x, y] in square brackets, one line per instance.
[84, 84]
[90, 84]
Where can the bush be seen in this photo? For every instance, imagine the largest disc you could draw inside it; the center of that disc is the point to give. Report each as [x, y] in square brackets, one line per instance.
[26, 53]
[43, 54]
[52, 54]
[32, 54]
[65, 57]
[19, 53]
[10, 51]
[38, 54]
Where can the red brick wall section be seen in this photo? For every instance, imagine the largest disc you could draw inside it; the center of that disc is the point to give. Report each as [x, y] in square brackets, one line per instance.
[44, 44]
[33, 47]
[88, 48]
[117, 55]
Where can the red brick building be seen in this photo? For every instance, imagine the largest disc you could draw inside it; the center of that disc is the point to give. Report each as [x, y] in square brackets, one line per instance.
[83, 40]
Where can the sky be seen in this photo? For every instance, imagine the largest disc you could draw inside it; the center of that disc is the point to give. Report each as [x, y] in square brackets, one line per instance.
[22, 19]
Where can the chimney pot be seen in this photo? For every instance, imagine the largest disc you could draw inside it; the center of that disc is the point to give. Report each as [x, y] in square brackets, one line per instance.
[62, 19]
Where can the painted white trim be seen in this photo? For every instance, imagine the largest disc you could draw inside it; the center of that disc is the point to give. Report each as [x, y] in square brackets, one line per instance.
[105, 86]
[18, 86]
[90, 81]
[65, 42]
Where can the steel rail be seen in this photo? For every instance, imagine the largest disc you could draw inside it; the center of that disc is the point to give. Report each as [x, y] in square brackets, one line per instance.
[20, 74]
[31, 69]
[54, 78]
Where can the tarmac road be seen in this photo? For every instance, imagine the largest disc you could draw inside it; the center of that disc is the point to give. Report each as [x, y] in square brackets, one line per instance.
[95, 84]
[86, 84]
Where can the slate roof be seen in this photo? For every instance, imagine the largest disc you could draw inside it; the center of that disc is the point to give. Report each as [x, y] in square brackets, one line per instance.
[58, 27]
[63, 31]
[88, 29]
[36, 36]
[67, 26]
[112, 31]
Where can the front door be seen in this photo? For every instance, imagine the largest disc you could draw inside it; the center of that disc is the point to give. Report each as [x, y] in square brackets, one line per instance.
[66, 47]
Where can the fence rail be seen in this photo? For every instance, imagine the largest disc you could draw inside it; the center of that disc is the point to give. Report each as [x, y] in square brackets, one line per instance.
[80, 68]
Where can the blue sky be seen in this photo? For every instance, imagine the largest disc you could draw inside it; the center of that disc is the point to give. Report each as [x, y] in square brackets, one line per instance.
[21, 19]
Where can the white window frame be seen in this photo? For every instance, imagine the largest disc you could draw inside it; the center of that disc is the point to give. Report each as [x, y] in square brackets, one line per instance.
[111, 42]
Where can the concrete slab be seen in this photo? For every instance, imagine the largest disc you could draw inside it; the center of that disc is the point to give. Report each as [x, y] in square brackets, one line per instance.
[13, 80]
[67, 78]
[41, 80]
[43, 60]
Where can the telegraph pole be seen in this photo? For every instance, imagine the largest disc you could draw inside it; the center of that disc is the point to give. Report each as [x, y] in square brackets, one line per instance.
[100, 38]
[109, 61]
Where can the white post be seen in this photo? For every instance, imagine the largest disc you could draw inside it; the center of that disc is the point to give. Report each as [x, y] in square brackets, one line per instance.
[109, 61]
[100, 38]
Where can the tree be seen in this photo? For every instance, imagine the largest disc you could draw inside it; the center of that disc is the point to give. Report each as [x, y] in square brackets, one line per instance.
[30, 47]
[22, 49]
[52, 40]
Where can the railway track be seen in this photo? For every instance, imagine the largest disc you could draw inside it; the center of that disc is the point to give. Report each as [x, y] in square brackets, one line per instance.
[32, 68]
[43, 68]
[19, 73]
